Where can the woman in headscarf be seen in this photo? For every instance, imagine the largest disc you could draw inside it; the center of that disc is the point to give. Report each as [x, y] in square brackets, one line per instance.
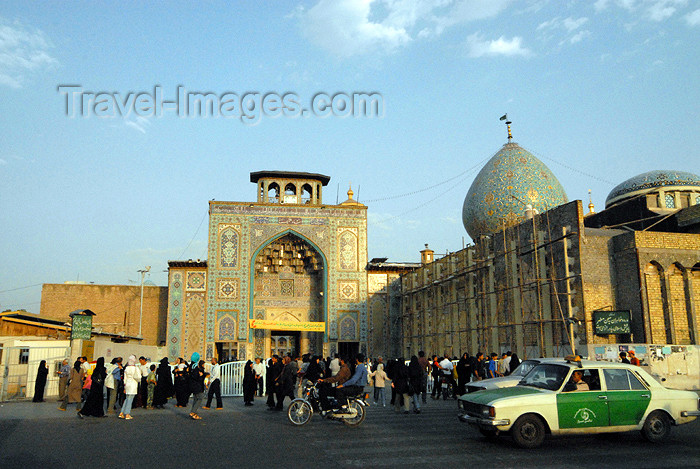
[132, 377]
[399, 382]
[75, 388]
[164, 385]
[94, 404]
[380, 380]
[464, 371]
[40, 383]
[415, 381]
[314, 372]
[182, 383]
[248, 383]
[514, 362]
[197, 375]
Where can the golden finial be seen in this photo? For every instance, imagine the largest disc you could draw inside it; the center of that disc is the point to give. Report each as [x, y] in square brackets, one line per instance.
[591, 207]
[504, 117]
[350, 192]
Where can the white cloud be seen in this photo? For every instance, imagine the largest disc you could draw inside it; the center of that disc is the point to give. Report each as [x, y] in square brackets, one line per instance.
[573, 24]
[549, 28]
[22, 51]
[140, 124]
[579, 36]
[653, 10]
[354, 27]
[693, 18]
[478, 47]
[343, 27]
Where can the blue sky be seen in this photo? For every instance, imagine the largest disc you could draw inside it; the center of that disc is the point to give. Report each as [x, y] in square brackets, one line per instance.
[599, 90]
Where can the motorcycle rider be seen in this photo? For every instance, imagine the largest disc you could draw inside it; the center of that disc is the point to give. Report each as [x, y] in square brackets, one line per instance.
[354, 385]
[325, 389]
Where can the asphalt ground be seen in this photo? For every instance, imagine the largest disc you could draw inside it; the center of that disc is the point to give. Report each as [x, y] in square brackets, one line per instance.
[38, 435]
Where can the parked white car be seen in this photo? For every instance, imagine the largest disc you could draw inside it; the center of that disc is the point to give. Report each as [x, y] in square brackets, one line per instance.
[511, 380]
[565, 397]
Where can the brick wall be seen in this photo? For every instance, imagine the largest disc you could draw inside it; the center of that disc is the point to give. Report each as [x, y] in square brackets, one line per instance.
[117, 307]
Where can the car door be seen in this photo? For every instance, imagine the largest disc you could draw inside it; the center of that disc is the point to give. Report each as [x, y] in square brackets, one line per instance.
[628, 397]
[583, 409]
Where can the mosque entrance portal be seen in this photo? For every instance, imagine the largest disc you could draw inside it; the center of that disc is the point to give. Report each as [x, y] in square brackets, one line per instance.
[289, 285]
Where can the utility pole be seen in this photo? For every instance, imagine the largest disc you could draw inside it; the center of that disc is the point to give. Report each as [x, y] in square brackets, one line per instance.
[143, 273]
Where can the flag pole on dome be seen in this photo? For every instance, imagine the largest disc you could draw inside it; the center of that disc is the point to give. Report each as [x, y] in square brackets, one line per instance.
[504, 117]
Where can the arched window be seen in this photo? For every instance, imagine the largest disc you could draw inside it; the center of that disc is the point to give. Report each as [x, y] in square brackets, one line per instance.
[307, 194]
[273, 193]
[290, 194]
[670, 201]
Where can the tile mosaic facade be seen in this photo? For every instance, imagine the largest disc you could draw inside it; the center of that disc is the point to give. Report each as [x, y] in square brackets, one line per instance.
[348, 290]
[227, 288]
[237, 233]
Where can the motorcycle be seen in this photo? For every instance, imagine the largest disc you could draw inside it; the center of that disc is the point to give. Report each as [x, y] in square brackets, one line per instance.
[302, 408]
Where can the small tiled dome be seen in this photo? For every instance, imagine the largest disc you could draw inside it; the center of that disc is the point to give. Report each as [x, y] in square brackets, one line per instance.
[512, 179]
[645, 182]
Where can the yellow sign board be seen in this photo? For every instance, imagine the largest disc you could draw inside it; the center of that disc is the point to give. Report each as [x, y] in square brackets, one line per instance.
[287, 325]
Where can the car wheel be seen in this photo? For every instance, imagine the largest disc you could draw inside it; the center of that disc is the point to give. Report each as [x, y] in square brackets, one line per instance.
[656, 427]
[528, 431]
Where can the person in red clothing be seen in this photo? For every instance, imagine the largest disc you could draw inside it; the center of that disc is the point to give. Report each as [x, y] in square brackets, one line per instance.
[632, 358]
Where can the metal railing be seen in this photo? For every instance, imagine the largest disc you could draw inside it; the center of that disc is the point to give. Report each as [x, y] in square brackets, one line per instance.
[232, 378]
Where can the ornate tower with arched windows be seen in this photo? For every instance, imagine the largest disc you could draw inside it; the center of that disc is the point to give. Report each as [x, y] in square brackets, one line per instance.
[285, 274]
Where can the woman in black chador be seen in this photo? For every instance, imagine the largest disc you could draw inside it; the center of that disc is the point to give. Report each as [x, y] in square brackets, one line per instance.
[164, 387]
[182, 382]
[248, 383]
[94, 404]
[40, 384]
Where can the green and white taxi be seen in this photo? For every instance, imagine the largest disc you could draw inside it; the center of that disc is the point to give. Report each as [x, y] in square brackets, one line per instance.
[567, 397]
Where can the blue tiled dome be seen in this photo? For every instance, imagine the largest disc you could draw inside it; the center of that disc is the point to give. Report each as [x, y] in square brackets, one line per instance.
[511, 179]
[650, 180]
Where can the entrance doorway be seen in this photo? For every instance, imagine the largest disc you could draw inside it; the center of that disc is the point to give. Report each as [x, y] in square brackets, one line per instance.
[283, 342]
[227, 351]
[348, 350]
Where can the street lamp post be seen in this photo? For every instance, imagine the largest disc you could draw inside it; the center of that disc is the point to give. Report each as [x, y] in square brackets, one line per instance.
[143, 273]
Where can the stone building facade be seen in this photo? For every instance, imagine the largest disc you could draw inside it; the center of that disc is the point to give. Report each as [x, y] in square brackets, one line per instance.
[284, 274]
[535, 283]
[528, 287]
[384, 305]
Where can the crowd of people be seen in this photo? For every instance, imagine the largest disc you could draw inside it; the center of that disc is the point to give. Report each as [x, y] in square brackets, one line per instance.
[116, 388]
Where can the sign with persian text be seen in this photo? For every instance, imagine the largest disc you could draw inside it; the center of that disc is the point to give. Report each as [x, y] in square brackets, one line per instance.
[611, 322]
[82, 327]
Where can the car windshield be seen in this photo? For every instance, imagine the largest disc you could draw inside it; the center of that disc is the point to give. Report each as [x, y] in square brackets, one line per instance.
[524, 368]
[545, 377]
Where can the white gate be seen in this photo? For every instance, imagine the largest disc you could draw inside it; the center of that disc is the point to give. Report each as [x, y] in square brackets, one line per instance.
[232, 378]
[19, 367]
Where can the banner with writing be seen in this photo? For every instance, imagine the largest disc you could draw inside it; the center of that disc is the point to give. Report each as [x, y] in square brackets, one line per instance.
[287, 325]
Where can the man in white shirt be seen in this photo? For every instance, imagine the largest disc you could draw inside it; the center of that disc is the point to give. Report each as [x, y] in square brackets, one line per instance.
[214, 385]
[335, 365]
[143, 366]
[446, 367]
[259, 370]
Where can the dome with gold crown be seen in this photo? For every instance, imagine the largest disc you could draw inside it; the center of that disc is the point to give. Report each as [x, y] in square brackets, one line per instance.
[510, 181]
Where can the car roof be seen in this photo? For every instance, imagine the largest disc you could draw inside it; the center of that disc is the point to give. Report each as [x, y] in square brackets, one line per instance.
[584, 363]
